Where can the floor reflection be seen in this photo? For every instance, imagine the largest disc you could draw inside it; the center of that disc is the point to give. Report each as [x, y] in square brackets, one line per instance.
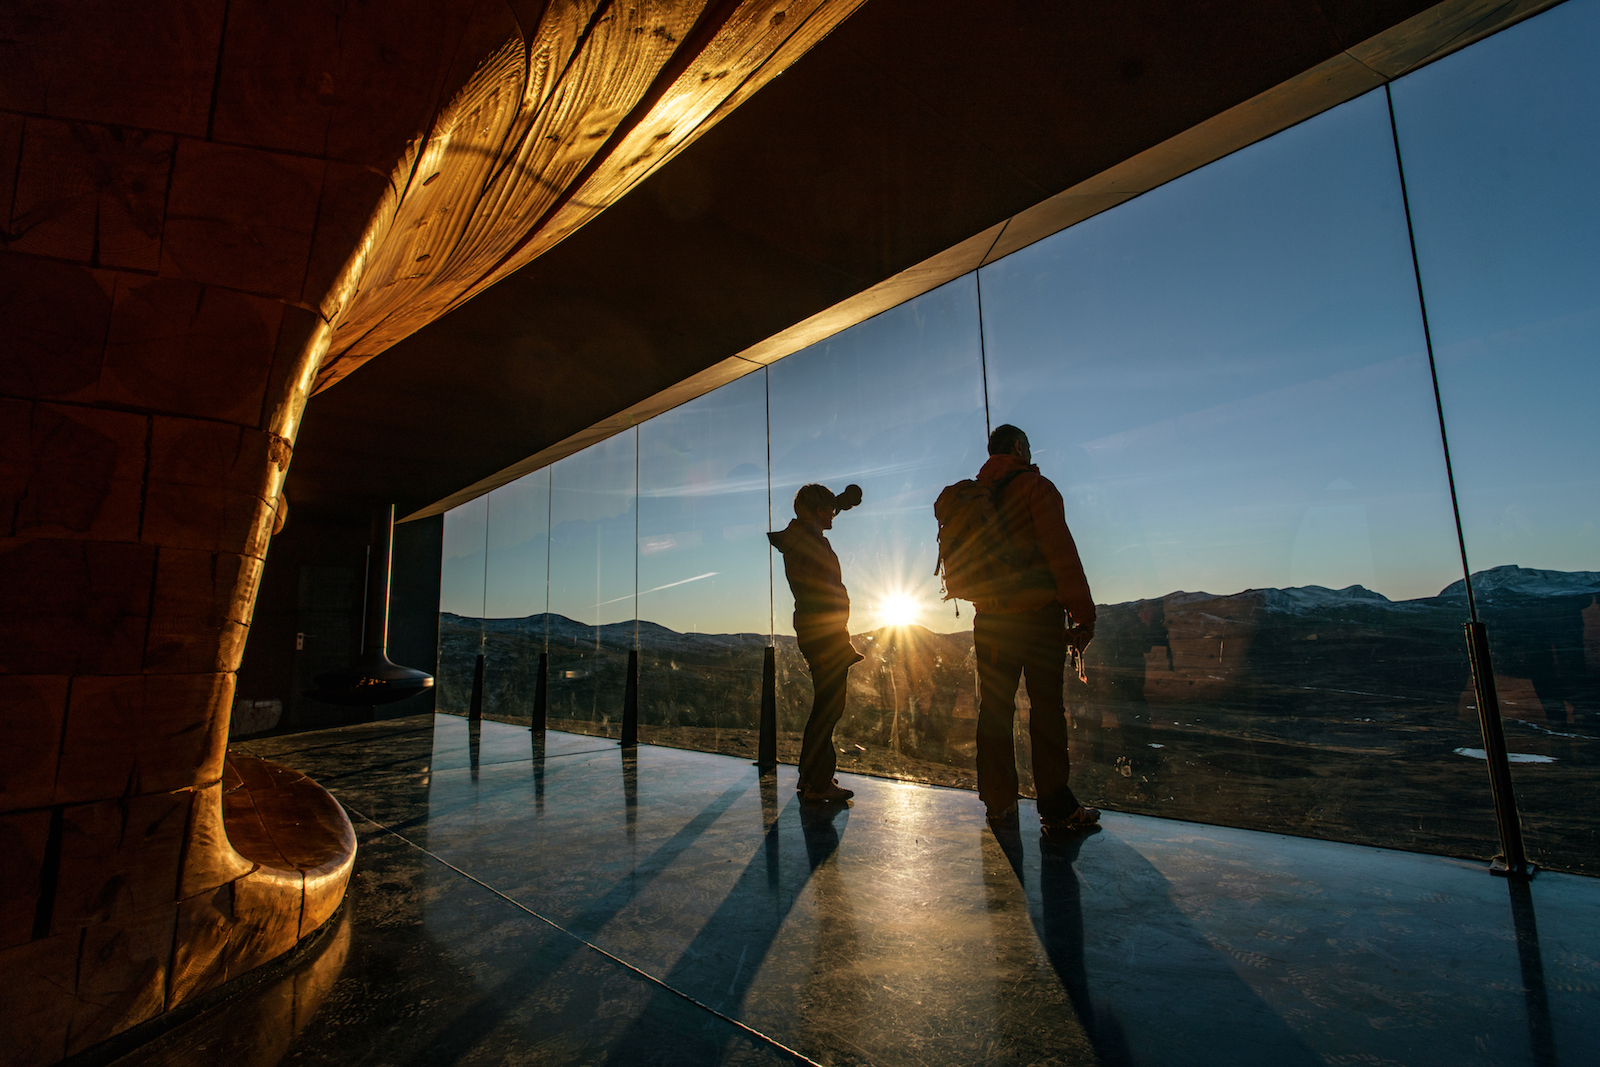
[570, 904]
[536, 755]
[1541, 1034]
[259, 1028]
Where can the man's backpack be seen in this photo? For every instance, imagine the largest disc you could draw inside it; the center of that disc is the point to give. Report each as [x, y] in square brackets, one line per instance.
[976, 554]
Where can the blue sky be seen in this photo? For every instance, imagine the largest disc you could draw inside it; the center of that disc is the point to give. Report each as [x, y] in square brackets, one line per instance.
[1226, 377]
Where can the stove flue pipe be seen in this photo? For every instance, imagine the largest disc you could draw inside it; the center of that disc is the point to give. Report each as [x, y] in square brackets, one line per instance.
[373, 679]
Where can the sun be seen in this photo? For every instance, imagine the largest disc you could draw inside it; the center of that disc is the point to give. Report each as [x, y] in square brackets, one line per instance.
[898, 609]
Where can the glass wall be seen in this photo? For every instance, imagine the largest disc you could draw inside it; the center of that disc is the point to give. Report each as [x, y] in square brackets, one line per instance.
[593, 583]
[704, 606]
[1501, 145]
[516, 595]
[895, 405]
[1229, 380]
[461, 603]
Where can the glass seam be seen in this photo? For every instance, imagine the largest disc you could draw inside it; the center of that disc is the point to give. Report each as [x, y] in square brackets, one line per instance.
[549, 532]
[983, 352]
[772, 608]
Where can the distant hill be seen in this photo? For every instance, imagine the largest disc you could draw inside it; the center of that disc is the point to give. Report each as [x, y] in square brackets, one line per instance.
[1499, 582]
[1305, 651]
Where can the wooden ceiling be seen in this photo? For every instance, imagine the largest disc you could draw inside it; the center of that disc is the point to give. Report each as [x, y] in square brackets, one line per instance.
[884, 161]
[568, 109]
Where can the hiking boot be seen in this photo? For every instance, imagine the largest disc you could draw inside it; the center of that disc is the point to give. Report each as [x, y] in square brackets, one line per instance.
[1084, 820]
[833, 793]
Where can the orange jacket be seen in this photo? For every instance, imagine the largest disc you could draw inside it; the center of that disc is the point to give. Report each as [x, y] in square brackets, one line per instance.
[1033, 514]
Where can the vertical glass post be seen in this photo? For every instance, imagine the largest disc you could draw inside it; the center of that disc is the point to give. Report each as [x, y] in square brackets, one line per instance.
[1513, 859]
[541, 686]
[767, 741]
[475, 706]
[630, 694]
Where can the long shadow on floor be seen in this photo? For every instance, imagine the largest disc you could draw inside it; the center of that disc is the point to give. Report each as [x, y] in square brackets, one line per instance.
[718, 967]
[1210, 1015]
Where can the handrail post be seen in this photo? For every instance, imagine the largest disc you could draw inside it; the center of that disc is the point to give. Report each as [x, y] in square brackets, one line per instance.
[767, 742]
[1513, 859]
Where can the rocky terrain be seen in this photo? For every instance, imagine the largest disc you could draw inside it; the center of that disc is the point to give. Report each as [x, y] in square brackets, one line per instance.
[1334, 713]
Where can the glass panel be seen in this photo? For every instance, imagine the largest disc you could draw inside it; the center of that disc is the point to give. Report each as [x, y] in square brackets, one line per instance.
[461, 607]
[895, 405]
[704, 602]
[1501, 144]
[593, 572]
[1227, 380]
[516, 595]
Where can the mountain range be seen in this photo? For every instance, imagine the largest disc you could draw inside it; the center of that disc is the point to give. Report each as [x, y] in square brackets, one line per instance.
[1307, 652]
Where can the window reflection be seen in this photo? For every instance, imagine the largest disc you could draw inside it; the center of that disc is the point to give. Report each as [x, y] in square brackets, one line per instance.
[704, 604]
[516, 595]
[1501, 145]
[461, 607]
[593, 576]
[1227, 380]
[895, 405]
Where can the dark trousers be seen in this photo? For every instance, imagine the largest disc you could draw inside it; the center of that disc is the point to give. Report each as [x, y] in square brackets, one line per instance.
[1010, 646]
[830, 663]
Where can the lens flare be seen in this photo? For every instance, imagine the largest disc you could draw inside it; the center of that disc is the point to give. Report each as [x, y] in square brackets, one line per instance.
[898, 609]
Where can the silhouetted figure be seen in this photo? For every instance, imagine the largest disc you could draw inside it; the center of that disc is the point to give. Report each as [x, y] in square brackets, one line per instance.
[1021, 630]
[822, 629]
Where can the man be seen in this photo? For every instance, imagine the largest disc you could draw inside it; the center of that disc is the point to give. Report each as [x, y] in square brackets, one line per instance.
[1021, 630]
[822, 629]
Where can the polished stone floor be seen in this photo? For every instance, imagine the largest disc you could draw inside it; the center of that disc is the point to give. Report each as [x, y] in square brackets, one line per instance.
[571, 903]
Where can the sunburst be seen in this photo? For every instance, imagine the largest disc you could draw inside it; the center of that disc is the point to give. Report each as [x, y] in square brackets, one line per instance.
[899, 609]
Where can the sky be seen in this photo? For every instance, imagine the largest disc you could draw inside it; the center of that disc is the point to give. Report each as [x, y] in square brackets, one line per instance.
[1227, 378]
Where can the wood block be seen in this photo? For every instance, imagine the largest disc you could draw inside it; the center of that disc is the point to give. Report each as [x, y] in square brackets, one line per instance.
[308, 826]
[16, 460]
[209, 860]
[119, 858]
[111, 62]
[352, 197]
[82, 471]
[208, 486]
[11, 127]
[53, 213]
[200, 951]
[55, 316]
[71, 607]
[143, 733]
[248, 835]
[266, 907]
[200, 614]
[122, 978]
[274, 97]
[32, 711]
[91, 193]
[241, 218]
[287, 822]
[22, 843]
[303, 338]
[181, 348]
[325, 887]
[390, 82]
[41, 997]
[255, 774]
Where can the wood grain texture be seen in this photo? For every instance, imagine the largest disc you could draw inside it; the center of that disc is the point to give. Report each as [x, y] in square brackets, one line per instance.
[556, 123]
[1353, 69]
